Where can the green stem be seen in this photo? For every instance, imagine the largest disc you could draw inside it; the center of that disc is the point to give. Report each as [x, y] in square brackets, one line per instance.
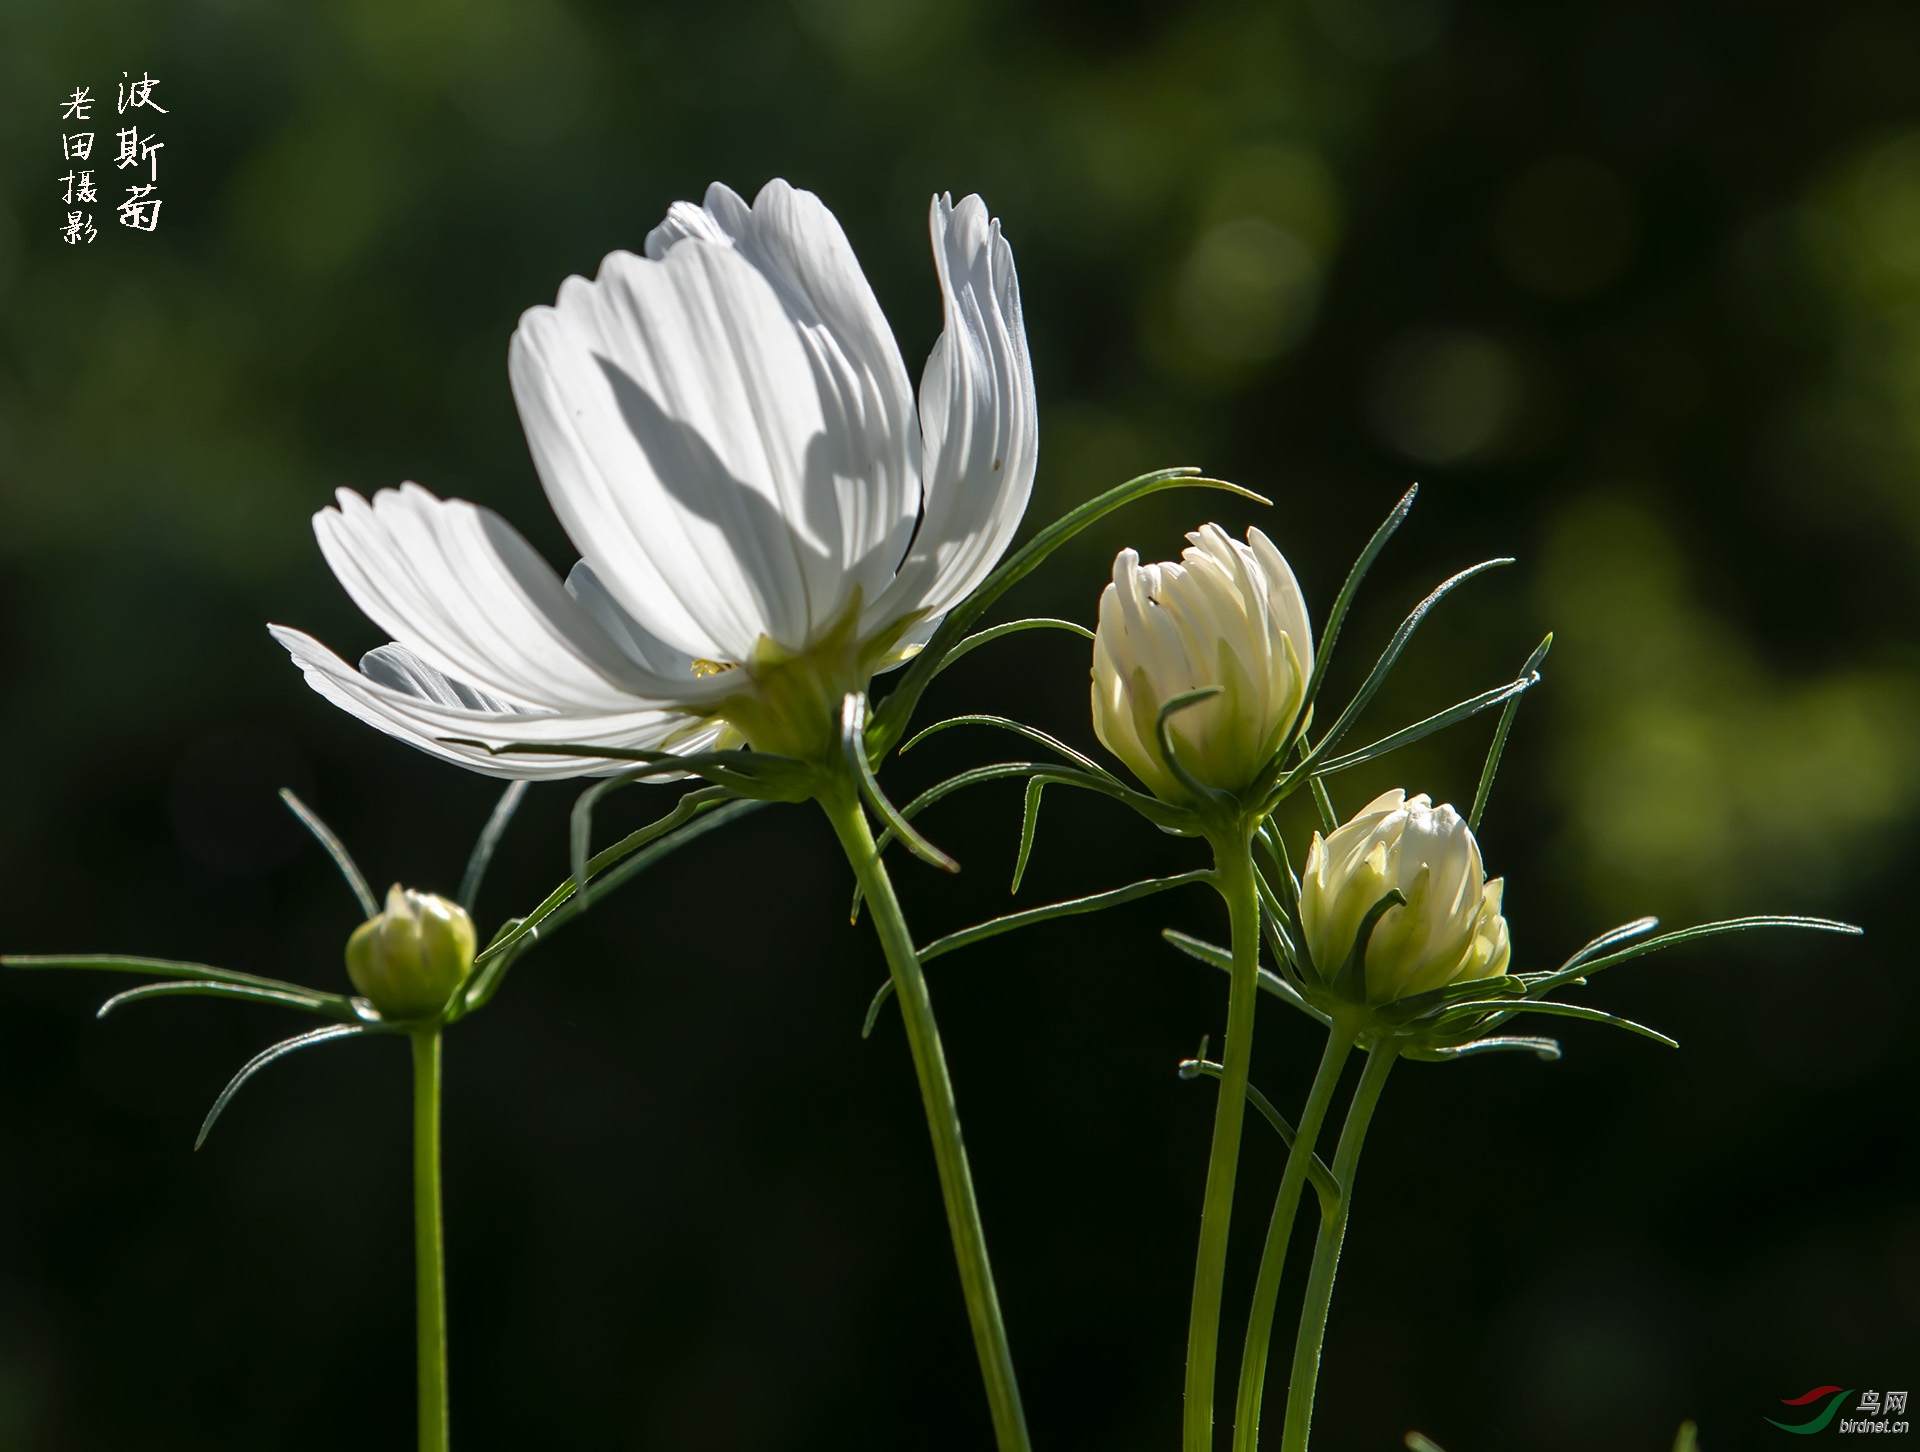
[1326, 1249]
[1233, 861]
[429, 1263]
[943, 1118]
[1286, 1209]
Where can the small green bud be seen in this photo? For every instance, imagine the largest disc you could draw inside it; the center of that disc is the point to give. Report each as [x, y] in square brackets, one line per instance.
[408, 960]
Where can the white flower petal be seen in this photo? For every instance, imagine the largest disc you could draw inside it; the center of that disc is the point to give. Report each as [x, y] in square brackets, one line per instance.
[457, 585]
[979, 418]
[725, 427]
[404, 696]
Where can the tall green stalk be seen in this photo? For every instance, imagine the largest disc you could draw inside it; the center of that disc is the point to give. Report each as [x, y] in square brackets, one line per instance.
[429, 1262]
[1233, 861]
[1326, 1249]
[842, 805]
[1286, 1209]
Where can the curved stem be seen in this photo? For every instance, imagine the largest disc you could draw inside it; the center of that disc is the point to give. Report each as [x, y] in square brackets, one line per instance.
[1286, 1209]
[843, 809]
[429, 1263]
[1326, 1250]
[1233, 864]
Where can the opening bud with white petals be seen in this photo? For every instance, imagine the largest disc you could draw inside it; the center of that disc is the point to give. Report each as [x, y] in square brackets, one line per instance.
[408, 960]
[1226, 615]
[1446, 927]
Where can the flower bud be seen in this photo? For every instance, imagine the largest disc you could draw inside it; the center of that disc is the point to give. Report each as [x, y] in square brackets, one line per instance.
[408, 960]
[1226, 614]
[1450, 929]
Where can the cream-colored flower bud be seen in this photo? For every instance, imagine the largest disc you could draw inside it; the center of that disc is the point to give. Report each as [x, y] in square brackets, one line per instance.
[408, 960]
[1226, 614]
[1449, 931]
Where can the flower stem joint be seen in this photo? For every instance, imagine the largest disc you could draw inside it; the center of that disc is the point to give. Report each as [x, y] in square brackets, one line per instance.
[409, 960]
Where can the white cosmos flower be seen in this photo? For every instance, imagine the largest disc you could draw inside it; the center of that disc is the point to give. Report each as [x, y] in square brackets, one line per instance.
[1226, 614]
[726, 431]
[1451, 929]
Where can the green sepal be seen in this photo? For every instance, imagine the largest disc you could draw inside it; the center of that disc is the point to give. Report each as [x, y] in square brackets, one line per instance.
[1350, 981]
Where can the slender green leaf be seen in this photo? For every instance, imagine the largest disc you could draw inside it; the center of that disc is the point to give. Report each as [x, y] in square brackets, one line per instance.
[1012, 627]
[1336, 617]
[1029, 823]
[999, 771]
[1024, 732]
[1218, 957]
[1383, 666]
[336, 849]
[1317, 1172]
[994, 927]
[1687, 935]
[1504, 1009]
[1485, 789]
[1073, 907]
[489, 840]
[1606, 940]
[690, 805]
[1439, 721]
[162, 968]
[853, 724]
[1418, 1443]
[327, 1006]
[890, 721]
[1545, 1049]
[560, 908]
[261, 1060]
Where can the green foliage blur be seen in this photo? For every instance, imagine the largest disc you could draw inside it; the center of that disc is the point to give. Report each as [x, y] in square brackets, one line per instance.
[1634, 292]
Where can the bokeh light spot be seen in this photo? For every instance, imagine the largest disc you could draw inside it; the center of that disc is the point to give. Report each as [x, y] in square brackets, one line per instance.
[1565, 227]
[1444, 395]
[1247, 290]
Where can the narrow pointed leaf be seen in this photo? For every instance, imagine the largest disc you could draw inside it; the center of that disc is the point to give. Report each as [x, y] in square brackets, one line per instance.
[1492, 766]
[1688, 935]
[853, 723]
[1385, 664]
[1024, 732]
[489, 840]
[1029, 822]
[162, 968]
[1012, 922]
[1504, 1009]
[336, 849]
[1218, 957]
[327, 1006]
[1336, 617]
[1439, 721]
[1322, 1178]
[1607, 940]
[260, 1061]
[1012, 627]
[1546, 1049]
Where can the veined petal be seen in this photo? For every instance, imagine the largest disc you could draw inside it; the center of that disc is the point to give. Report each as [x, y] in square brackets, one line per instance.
[404, 696]
[800, 248]
[460, 587]
[725, 426]
[979, 419]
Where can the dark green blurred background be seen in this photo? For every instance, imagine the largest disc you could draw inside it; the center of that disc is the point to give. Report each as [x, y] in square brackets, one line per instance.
[1633, 290]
